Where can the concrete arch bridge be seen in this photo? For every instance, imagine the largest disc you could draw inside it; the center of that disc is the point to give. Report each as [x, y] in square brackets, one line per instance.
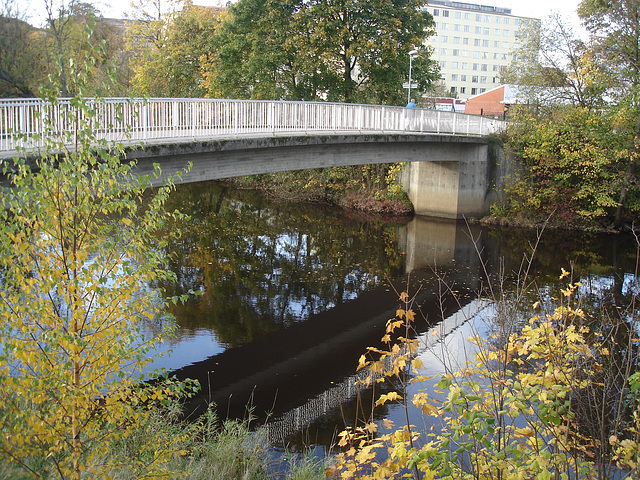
[451, 170]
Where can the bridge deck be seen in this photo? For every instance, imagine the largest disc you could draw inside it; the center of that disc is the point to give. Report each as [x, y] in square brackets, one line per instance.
[165, 120]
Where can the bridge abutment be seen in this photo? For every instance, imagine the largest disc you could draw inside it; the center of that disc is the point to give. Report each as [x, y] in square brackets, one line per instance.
[456, 186]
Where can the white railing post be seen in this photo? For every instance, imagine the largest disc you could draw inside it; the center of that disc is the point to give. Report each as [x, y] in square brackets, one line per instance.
[333, 117]
[145, 119]
[235, 114]
[438, 122]
[194, 118]
[271, 119]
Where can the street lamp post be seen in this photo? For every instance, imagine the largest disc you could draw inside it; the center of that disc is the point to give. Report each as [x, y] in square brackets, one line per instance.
[411, 54]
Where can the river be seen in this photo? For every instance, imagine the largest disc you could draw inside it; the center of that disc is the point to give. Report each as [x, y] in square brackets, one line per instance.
[290, 296]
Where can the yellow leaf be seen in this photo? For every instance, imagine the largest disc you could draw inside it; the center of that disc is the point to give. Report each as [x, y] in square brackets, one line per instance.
[389, 397]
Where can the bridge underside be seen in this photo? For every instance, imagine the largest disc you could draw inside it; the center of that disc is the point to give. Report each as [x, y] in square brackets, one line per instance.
[446, 176]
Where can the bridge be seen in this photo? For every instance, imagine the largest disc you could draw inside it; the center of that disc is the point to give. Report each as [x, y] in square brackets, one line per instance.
[448, 174]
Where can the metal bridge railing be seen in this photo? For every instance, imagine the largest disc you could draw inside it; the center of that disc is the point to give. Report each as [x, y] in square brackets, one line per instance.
[122, 119]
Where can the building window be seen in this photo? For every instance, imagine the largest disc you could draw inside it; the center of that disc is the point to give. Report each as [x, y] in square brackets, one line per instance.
[495, 79]
[516, 21]
[444, 39]
[496, 68]
[456, 40]
[443, 51]
[486, 19]
[485, 43]
[497, 19]
[454, 77]
[474, 91]
[485, 55]
[457, 27]
[474, 79]
[505, 56]
[505, 33]
[485, 31]
[467, 16]
[477, 30]
[456, 52]
[453, 90]
[476, 54]
[476, 67]
[465, 53]
[445, 13]
[443, 64]
[506, 21]
[436, 12]
[467, 28]
[484, 67]
[478, 17]
[455, 65]
[505, 45]
[457, 14]
[465, 66]
[463, 89]
[476, 42]
[496, 31]
[463, 78]
[445, 26]
[483, 79]
[496, 44]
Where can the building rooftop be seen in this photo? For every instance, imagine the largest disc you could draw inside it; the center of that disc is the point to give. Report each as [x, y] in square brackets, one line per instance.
[470, 6]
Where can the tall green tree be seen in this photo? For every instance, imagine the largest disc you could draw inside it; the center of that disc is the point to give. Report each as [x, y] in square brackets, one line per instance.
[259, 53]
[339, 50]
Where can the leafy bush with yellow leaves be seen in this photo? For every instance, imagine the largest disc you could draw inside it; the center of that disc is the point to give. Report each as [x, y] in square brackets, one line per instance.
[511, 413]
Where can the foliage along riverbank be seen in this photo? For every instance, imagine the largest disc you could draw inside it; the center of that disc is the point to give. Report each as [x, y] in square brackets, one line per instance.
[576, 169]
[366, 188]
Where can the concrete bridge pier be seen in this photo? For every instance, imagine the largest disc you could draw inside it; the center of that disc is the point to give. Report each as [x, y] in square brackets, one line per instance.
[461, 187]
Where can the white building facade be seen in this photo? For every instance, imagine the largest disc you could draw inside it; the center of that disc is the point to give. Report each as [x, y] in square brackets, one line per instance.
[473, 43]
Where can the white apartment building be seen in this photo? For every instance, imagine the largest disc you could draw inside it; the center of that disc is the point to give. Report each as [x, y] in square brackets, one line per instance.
[472, 44]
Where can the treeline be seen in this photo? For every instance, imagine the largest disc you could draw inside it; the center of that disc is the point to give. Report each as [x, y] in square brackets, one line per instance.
[349, 51]
[577, 130]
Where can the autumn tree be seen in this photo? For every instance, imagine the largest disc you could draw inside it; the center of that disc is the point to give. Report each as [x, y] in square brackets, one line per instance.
[573, 166]
[167, 41]
[614, 28]
[79, 257]
[343, 50]
[553, 66]
[19, 59]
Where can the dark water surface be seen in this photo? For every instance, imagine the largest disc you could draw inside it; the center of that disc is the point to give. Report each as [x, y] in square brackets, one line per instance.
[291, 295]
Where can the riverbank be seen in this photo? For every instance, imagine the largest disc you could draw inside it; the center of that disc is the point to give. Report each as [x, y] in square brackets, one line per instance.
[599, 226]
[376, 196]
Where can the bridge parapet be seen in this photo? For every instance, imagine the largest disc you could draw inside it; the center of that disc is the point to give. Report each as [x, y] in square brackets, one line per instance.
[140, 120]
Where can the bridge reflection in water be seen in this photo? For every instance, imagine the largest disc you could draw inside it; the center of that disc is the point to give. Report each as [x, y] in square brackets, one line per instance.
[303, 378]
